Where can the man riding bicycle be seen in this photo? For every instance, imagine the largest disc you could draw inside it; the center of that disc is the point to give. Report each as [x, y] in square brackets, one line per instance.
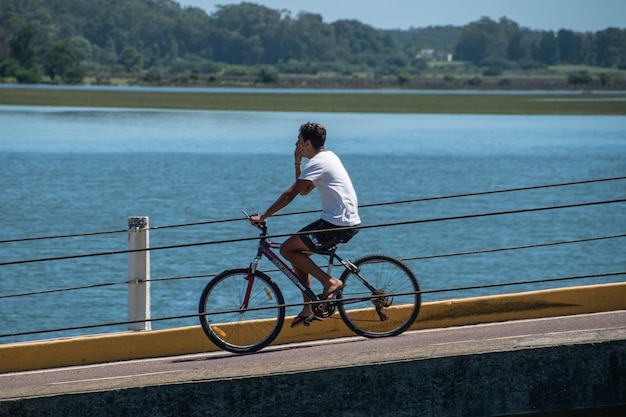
[325, 172]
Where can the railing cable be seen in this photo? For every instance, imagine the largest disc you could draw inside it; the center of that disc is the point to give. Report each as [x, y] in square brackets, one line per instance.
[510, 248]
[414, 258]
[415, 200]
[186, 316]
[400, 223]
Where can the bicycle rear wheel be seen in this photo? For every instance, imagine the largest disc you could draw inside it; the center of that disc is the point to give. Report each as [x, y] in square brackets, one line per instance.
[235, 327]
[383, 300]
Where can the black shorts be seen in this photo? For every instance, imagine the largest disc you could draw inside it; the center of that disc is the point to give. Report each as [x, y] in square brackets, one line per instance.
[331, 236]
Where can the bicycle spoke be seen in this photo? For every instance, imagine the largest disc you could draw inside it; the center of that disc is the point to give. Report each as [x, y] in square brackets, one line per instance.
[391, 308]
[238, 329]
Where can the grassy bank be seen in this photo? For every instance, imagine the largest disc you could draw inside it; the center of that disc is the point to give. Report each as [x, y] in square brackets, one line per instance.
[572, 104]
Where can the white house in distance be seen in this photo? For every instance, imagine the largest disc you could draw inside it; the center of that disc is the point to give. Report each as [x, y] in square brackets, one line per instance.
[434, 55]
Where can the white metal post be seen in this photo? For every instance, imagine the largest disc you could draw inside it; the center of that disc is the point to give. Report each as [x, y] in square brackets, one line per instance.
[139, 273]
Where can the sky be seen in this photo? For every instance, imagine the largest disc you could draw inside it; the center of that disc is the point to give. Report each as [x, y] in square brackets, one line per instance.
[576, 15]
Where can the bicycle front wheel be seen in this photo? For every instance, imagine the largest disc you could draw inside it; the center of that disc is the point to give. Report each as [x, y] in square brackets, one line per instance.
[382, 299]
[240, 312]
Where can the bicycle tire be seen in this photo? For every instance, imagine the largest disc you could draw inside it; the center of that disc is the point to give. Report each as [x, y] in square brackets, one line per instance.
[235, 329]
[398, 297]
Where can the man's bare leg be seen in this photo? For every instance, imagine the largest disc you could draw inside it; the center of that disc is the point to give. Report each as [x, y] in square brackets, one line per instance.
[305, 278]
[293, 250]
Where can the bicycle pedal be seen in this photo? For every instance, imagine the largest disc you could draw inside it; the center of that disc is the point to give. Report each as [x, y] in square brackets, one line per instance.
[310, 319]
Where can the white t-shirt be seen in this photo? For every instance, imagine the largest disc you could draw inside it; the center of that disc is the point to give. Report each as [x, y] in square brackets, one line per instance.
[339, 202]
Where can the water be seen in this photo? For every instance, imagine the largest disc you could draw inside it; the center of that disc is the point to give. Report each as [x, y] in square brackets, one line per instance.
[69, 170]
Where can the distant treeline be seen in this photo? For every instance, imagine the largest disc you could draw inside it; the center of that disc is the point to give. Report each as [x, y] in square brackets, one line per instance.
[68, 38]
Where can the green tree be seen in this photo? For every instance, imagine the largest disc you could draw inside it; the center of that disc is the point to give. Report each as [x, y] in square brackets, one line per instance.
[479, 40]
[547, 50]
[130, 59]
[413, 40]
[57, 59]
[9, 67]
[420, 64]
[311, 39]
[268, 76]
[23, 46]
[610, 47]
[254, 29]
[505, 32]
[356, 38]
[74, 75]
[570, 47]
[517, 49]
[579, 78]
[153, 76]
[5, 49]
[403, 78]
[194, 32]
[472, 45]
[486, 38]
[24, 76]
[80, 48]
[166, 35]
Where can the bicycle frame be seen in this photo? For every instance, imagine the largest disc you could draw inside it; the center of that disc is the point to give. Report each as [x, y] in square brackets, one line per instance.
[265, 248]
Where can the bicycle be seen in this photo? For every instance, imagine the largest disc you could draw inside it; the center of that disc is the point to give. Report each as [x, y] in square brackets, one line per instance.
[380, 297]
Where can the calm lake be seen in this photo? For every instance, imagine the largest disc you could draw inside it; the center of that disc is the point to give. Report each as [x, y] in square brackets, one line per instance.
[77, 170]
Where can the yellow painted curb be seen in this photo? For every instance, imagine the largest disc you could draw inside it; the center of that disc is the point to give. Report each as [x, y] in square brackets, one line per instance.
[136, 345]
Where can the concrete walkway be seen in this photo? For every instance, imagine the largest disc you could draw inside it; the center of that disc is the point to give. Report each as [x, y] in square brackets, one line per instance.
[433, 315]
[519, 367]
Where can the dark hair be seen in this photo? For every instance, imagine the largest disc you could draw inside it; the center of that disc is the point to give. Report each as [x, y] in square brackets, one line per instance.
[314, 132]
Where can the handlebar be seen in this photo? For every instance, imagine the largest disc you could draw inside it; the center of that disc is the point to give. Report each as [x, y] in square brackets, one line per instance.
[260, 225]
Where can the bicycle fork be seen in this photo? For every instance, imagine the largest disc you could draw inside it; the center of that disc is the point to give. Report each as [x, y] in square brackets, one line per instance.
[250, 279]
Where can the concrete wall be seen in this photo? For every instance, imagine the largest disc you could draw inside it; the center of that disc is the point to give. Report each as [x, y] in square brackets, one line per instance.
[518, 381]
